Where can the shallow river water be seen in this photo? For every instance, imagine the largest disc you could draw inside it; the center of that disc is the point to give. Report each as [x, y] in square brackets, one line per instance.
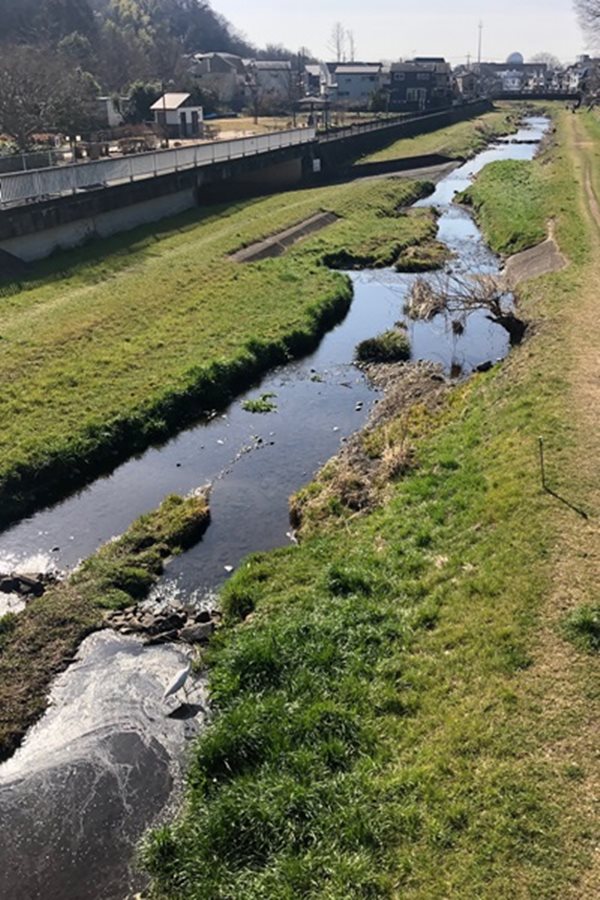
[107, 757]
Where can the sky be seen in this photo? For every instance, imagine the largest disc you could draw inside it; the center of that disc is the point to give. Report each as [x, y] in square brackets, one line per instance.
[390, 29]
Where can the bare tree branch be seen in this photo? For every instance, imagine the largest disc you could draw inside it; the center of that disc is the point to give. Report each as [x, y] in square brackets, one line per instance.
[455, 296]
[337, 42]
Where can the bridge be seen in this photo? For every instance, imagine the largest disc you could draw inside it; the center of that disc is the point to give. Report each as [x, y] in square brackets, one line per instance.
[43, 184]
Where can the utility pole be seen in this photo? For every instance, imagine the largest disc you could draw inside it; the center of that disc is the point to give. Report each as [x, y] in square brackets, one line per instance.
[468, 61]
[165, 126]
[480, 42]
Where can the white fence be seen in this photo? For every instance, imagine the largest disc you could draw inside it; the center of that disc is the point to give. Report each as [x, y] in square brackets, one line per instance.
[42, 184]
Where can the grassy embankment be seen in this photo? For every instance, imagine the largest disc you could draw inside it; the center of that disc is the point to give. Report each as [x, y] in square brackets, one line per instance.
[510, 200]
[456, 141]
[36, 643]
[110, 347]
[400, 714]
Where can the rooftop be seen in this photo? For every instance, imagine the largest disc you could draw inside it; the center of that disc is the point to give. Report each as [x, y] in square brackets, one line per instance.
[171, 101]
[358, 69]
[282, 64]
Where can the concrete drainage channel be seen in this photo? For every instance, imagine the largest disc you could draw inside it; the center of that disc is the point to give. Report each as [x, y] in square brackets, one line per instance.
[277, 244]
[107, 759]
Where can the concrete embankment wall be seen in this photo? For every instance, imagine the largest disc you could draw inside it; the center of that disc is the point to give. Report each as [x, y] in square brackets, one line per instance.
[34, 231]
[423, 161]
[349, 146]
[40, 243]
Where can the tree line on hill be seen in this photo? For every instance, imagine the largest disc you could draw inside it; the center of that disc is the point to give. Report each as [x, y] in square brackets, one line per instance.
[57, 56]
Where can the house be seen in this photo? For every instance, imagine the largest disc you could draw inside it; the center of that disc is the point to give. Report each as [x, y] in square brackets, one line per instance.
[108, 111]
[270, 86]
[583, 76]
[356, 83]
[467, 84]
[512, 76]
[319, 80]
[421, 83]
[222, 74]
[512, 81]
[178, 116]
[312, 78]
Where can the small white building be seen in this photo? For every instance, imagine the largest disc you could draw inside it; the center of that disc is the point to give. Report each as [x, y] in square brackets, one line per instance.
[178, 116]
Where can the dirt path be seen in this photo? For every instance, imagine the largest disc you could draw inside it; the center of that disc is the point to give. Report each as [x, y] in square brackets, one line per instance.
[561, 679]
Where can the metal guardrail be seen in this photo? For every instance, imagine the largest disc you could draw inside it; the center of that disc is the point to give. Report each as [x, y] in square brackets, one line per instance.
[26, 162]
[42, 184]
[381, 124]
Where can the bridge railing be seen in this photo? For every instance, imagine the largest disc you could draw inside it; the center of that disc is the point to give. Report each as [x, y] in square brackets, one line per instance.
[381, 124]
[41, 184]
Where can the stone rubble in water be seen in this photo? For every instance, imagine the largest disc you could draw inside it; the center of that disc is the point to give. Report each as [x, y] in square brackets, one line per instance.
[27, 585]
[168, 625]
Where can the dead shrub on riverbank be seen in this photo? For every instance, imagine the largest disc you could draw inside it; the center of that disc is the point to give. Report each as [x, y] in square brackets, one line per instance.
[457, 296]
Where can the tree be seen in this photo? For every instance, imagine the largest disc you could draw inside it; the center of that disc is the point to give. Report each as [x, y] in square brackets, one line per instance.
[44, 21]
[457, 296]
[77, 49]
[72, 108]
[588, 12]
[552, 61]
[42, 93]
[25, 98]
[141, 97]
[337, 42]
[351, 45]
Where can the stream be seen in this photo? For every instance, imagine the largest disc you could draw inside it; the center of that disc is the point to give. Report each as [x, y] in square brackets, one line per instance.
[107, 759]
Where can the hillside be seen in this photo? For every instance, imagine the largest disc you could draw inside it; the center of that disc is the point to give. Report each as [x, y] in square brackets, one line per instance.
[122, 41]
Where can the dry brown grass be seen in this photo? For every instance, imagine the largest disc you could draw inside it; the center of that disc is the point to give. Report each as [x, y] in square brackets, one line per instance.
[561, 680]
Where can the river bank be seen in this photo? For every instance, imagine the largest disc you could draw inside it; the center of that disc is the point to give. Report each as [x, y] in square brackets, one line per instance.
[128, 347]
[310, 396]
[123, 342]
[401, 711]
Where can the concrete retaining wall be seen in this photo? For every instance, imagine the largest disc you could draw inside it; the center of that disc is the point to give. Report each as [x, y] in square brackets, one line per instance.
[336, 153]
[41, 243]
[401, 165]
[35, 230]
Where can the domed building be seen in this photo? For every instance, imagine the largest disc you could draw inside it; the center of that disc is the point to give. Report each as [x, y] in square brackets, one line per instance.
[515, 59]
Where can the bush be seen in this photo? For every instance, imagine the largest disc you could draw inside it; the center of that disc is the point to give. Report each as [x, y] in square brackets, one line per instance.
[391, 346]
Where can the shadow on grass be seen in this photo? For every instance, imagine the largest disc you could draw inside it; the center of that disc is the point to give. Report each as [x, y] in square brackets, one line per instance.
[581, 512]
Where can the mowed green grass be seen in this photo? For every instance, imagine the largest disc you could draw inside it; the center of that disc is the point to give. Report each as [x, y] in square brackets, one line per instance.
[510, 200]
[108, 337]
[457, 141]
[374, 732]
